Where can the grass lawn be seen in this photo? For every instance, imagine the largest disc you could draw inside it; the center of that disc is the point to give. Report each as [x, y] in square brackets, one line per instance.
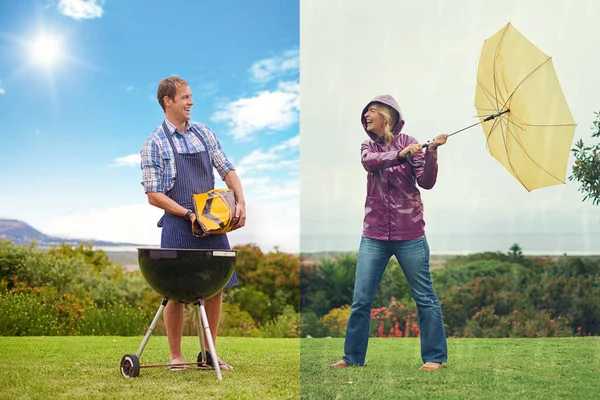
[88, 368]
[545, 368]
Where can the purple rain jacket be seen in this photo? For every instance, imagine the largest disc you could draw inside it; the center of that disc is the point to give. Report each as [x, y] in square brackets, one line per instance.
[393, 208]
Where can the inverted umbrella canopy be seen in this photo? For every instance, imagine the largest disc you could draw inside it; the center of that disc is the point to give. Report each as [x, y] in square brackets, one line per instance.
[523, 111]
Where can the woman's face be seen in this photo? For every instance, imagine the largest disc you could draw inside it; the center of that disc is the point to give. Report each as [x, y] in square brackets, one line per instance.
[375, 121]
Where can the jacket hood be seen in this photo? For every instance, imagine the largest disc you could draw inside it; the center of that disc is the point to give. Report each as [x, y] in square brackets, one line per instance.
[389, 101]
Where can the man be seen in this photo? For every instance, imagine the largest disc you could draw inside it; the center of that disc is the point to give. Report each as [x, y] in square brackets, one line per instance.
[177, 162]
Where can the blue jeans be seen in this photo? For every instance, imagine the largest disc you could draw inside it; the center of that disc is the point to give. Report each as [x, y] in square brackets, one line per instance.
[413, 257]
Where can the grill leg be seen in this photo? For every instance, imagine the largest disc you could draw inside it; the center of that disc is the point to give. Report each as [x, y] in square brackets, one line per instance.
[201, 334]
[152, 326]
[211, 345]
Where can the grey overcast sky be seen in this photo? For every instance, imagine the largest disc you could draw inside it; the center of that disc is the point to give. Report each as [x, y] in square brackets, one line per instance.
[426, 55]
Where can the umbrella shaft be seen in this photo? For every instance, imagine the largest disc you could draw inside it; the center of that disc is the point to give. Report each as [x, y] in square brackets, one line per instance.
[491, 117]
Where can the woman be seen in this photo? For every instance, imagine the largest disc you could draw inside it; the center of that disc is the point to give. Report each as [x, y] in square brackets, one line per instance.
[394, 225]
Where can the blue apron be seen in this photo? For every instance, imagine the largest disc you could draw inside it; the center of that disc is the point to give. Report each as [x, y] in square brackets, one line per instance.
[194, 176]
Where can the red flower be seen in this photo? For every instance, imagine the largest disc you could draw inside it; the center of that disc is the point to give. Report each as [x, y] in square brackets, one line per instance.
[380, 330]
[398, 332]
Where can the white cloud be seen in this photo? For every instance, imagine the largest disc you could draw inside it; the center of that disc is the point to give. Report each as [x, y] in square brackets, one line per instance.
[258, 156]
[268, 166]
[266, 110]
[266, 191]
[81, 9]
[132, 160]
[2, 91]
[270, 68]
[270, 224]
[134, 223]
[253, 182]
[130, 89]
[292, 143]
[275, 158]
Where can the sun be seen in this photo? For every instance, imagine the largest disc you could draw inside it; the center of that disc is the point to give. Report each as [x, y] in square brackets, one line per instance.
[46, 50]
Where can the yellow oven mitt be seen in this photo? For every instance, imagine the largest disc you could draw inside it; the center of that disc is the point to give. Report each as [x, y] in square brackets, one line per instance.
[215, 212]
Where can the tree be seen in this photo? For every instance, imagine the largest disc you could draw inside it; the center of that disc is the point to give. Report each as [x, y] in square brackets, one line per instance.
[587, 166]
[516, 251]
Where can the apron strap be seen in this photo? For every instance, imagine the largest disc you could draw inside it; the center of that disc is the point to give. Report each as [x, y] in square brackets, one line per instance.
[199, 136]
[194, 131]
[206, 148]
[169, 138]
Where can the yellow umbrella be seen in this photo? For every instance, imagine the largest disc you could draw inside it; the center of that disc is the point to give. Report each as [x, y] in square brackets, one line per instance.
[522, 110]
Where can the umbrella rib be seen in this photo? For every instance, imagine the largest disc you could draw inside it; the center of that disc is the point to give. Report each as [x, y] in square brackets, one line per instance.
[500, 43]
[550, 124]
[517, 139]
[487, 112]
[487, 142]
[515, 124]
[506, 137]
[524, 79]
[523, 123]
[487, 92]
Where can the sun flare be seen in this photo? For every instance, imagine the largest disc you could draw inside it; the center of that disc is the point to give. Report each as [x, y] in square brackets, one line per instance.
[46, 50]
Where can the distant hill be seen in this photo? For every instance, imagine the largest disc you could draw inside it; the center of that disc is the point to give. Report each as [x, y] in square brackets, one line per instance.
[18, 232]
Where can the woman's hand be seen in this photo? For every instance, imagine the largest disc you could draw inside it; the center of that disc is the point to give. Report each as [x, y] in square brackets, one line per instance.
[437, 141]
[412, 149]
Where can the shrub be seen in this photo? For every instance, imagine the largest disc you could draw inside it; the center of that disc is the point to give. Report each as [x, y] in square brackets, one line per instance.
[286, 325]
[117, 319]
[35, 267]
[336, 320]
[70, 290]
[251, 300]
[235, 322]
[310, 324]
[529, 324]
[26, 311]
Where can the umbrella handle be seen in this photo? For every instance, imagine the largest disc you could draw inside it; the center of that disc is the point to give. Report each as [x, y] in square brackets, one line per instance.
[409, 161]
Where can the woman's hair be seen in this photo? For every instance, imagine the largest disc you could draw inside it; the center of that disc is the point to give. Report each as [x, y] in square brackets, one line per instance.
[391, 117]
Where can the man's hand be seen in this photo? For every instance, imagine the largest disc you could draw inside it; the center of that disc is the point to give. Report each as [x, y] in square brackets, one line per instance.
[240, 215]
[233, 183]
[437, 141]
[193, 218]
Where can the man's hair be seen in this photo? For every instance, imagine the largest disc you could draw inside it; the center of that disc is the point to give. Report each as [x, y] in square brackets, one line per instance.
[168, 87]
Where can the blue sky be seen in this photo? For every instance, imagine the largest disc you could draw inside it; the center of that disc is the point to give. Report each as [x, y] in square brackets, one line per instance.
[72, 130]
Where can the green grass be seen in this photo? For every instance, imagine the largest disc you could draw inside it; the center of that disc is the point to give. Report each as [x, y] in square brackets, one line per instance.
[545, 368]
[88, 368]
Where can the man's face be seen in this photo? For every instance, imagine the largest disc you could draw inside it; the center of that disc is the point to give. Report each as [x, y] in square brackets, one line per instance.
[181, 106]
